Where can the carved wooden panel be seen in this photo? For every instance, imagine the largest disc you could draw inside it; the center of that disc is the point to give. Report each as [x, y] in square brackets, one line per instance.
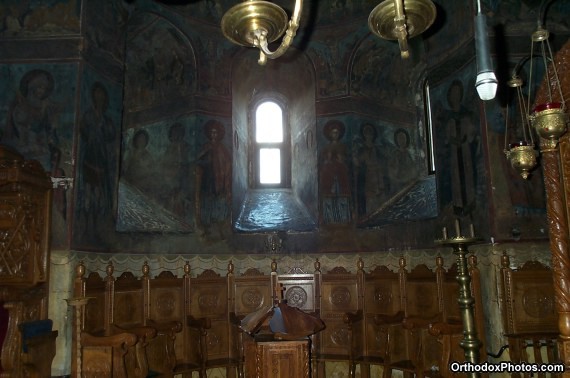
[382, 292]
[25, 205]
[97, 362]
[167, 302]
[95, 316]
[299, 290]
[283, 359]
[450, 294]
[339, 295]
[382, 296]
[128, 301]
[422, 292]
[209, 295]
[252, 291]
[528, 301]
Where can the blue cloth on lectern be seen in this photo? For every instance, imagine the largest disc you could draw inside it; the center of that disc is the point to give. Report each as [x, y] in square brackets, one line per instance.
[34, 328]
[276, 323]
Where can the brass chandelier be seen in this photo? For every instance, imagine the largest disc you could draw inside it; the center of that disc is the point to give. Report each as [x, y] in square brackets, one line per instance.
[256, 23]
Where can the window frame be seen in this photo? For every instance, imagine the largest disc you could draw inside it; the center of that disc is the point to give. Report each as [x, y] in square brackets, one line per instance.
[284, 146]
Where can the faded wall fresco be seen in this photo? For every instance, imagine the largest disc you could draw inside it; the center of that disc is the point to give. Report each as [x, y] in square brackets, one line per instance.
[461, 174]
[97, 159]
[161, 63]
[39, 18]
[37, 106]
[176, 177]
[104, 27]
[364, 168]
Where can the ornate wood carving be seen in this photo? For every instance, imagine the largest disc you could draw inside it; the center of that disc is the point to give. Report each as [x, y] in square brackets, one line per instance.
[25, 208]
[556, 171]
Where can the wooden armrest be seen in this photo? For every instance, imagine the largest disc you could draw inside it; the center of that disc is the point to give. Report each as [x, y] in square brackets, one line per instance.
[442, 328]
[414, 322]
[142, 332]
[352, 317]
[124, 339]
[170, 327]
[201, 323]
[381, 319]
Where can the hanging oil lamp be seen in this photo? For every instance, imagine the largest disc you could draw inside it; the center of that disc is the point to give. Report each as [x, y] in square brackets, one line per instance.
[549, 118]
[521, 153]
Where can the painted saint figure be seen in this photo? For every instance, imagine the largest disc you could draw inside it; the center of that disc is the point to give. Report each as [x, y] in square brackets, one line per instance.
[463, 142]
[334, 178]
[176, 169]
[213, 181]
[97, 134]
[33, 117]
[401, 167]
[370, 175]
[139, 162]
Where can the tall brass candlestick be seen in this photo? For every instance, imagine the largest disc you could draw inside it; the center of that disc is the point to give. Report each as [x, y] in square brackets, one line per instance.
[470, 343]
[78, 304]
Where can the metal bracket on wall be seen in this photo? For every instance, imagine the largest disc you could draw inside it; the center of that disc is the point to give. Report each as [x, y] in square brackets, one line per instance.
[62, 182]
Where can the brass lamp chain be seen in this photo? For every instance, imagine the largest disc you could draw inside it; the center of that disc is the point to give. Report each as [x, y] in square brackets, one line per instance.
[524, 116]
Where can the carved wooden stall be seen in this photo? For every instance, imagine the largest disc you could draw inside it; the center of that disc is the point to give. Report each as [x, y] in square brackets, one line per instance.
[25, 213]
[529, 317]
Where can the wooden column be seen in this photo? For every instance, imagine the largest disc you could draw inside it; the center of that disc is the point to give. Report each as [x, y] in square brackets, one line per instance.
[556, 209]
[555, 162]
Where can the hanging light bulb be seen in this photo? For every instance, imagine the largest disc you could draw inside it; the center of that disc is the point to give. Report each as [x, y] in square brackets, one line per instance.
[486, 83]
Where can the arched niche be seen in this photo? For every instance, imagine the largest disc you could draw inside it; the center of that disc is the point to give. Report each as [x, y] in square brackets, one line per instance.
[292, 77]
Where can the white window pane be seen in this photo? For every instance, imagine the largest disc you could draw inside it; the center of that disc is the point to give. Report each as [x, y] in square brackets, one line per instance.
[268, 123]
[270, 166]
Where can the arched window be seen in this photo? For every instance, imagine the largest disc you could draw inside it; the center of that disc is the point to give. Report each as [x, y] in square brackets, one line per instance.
[271, 143]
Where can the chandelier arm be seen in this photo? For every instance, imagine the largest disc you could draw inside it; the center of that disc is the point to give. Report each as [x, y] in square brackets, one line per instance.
[542, 12]
[401, 29]
[287, 39]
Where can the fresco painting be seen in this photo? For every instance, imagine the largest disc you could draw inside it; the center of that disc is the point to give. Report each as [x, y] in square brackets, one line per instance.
[365, 170]
[458, 146]
[39, 18]
[97, 171]
[37, 106]
[176, 177]
[161, 62]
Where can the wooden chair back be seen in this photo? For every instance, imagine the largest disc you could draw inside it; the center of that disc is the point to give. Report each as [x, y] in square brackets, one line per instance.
[209, 298]
[383, 298]
[530, 319]
[166, 306]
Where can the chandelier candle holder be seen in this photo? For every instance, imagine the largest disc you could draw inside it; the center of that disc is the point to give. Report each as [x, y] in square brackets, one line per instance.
[549, 119]
[521, 154]
[400, 20]
[256, 23]
[470, 343]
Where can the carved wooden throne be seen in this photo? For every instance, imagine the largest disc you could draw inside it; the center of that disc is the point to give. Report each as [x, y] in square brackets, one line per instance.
[25, 206]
